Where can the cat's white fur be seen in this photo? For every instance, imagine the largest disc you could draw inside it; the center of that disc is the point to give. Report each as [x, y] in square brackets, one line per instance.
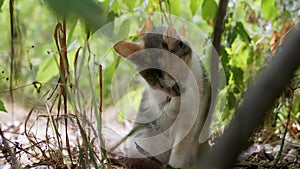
[177, 145]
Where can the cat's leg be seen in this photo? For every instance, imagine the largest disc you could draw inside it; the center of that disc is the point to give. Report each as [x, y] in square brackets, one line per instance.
[148, 141]
[181, 154]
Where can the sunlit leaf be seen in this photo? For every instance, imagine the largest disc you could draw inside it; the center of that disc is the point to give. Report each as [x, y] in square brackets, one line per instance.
[47, 70]
[194, 6]
[268, 8]
[239, 13]
[209, 8]
[253, 56]
[175, 7]
[2, 107]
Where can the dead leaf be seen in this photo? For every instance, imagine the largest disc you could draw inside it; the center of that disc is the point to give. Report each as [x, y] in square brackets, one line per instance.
[274, 42]
[184, 33]
[148, 25]
[279, 37]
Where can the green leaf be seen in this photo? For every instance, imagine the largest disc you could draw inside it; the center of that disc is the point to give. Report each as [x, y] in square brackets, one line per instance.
[114, 7]
[194, 6]
[2, 107]
[239, 13]
[253, 56]
[238, 75]
[1, 4]
[175, 7]
[225, 63]
[85, 9]
[231, 100]
[268, 8]
[232, 35]
[73, 24]
[209, 8]
[130, 4]
[242, 32]
[124, 29]
[47, 70]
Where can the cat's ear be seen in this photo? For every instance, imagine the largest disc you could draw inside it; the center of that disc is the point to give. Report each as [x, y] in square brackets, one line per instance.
[126, 49]
[171, 37]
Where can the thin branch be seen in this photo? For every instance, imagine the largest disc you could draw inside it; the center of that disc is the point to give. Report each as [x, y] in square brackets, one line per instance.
[218, 27]
[12, 53]
[279, 154]
[152, 158]
[217, 37]
[14, 162]
[214, 61]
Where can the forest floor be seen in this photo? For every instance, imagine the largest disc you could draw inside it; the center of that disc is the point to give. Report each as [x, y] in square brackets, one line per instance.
[37, 150]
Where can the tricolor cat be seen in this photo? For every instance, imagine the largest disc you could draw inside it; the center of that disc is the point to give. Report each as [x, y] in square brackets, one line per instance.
[176, 100]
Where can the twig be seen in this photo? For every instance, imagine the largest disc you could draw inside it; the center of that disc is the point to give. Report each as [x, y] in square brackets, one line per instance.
[278, 156]
[14, 162]
[149, 156]
[135, 129]
[276, 114]
[12, 53]
[164, 13]
[218, 27]
[214, 61]
[102, 144]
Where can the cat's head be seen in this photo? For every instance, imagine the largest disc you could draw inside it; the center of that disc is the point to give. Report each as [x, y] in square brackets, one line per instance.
[162, 58]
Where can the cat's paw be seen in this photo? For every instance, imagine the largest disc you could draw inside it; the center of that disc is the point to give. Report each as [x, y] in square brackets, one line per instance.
[180, 162]
[140, 163]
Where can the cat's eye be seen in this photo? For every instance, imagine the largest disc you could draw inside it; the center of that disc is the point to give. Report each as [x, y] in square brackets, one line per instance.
[164, 45]
[180, 45]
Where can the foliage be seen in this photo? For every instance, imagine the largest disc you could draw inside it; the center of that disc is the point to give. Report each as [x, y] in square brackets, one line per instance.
[2, 107]
[194, 6]
[209, 8]
[1, 3]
